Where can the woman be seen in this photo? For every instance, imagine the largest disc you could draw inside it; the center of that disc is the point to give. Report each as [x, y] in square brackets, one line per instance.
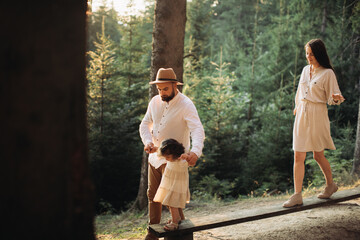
[317, 86]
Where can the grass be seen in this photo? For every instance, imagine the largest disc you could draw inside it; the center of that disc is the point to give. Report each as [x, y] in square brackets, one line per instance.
[132, 225]
[127, 225]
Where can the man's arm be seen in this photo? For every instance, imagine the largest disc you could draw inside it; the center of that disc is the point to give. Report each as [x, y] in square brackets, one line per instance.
[197, 134]
[145, 130]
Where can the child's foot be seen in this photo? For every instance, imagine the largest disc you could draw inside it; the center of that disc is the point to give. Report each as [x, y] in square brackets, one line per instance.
[171, 226]
[328, 191]
[169, 221]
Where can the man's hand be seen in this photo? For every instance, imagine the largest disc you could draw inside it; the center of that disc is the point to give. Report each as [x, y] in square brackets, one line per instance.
[150, 148]
[190, 157]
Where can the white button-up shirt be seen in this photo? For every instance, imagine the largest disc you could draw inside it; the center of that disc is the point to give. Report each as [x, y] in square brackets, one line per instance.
[177, 119]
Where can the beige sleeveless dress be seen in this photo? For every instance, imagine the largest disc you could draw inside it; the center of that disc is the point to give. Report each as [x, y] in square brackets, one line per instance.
[174, 186]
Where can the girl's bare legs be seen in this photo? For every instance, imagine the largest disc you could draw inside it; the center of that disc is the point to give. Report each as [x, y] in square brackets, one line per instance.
[175, 215]
[175, 219]
[324, 165]
[299, 170]
[181, 213]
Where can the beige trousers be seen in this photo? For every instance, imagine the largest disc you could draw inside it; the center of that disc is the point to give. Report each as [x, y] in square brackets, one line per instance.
[154, 179]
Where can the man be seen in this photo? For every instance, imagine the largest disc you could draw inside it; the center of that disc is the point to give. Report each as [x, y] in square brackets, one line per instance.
[169, 115]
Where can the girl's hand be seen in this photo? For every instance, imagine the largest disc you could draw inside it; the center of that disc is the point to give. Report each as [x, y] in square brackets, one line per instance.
[338, 97]
[294, 111]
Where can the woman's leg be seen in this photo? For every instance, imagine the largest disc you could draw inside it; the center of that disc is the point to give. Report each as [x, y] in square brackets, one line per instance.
[299, 170]
[326, 169]
[324, 165]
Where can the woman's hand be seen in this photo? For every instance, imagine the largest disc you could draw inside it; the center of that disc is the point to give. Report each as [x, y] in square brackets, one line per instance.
[294, 111]
[338, 97]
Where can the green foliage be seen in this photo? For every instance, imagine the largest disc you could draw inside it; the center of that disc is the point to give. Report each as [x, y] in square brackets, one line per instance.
[117, 97]
[340, 160]
[126, 225]
[248, 123]
[217, 103]
[209, 187]
[242, 63]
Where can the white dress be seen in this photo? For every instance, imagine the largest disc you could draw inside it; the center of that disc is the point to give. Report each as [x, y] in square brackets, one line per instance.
[174, 186]
[312, 126]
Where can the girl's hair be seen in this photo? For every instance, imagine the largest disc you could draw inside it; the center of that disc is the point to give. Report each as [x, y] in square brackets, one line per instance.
[319, 50]
[171, 147]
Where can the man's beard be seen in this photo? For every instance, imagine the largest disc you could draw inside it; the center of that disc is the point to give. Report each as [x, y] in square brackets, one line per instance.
[168, 98]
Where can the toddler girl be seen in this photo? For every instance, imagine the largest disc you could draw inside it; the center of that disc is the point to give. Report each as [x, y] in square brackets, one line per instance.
[174, 186]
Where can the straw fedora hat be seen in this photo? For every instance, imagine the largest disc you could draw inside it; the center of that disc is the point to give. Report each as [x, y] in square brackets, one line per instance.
[166, 75]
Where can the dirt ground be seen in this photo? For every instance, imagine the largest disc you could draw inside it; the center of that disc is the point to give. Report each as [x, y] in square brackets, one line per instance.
[337, 221]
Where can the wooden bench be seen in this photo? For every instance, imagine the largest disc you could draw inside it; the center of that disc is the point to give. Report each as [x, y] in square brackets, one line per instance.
[188, 227]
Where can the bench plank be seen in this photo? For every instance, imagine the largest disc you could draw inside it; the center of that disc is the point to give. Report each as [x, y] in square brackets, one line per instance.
[187, 227]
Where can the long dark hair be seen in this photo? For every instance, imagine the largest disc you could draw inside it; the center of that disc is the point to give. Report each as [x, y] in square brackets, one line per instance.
[319, 50]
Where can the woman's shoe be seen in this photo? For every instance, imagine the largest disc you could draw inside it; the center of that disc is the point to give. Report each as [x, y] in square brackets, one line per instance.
[171, 226]
[294, 200]
[328, 191]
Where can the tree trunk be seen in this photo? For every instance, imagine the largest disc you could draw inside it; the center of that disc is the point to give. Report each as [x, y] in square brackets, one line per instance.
[141, 201]
[252, 82]
[168, 39]
[168, 51]
[324, 18]
[356, 165]
[46, 192]
[251, 88]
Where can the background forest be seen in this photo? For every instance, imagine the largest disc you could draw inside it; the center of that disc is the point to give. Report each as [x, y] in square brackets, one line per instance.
[242, 63]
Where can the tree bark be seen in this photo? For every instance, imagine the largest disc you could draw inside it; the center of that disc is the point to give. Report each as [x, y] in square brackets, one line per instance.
[167, 51]
[168, 39]
[141, 201]
[46, 192]
[324, 18]
[356, 165]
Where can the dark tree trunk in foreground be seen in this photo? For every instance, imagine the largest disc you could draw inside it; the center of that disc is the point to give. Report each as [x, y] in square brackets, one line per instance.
[46, 192]
[167, 51]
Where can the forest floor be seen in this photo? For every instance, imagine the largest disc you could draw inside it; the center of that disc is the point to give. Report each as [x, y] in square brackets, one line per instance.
[336, 221]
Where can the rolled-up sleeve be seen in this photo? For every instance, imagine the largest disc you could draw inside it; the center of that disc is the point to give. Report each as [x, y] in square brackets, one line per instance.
[197, 133]
[297, 96]
[331, 87]
[146, 126]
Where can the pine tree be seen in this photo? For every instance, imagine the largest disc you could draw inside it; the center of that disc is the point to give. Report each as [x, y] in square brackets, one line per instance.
[100, 71]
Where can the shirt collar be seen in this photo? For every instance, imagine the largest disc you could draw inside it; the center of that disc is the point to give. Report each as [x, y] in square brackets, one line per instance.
[175, 99]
